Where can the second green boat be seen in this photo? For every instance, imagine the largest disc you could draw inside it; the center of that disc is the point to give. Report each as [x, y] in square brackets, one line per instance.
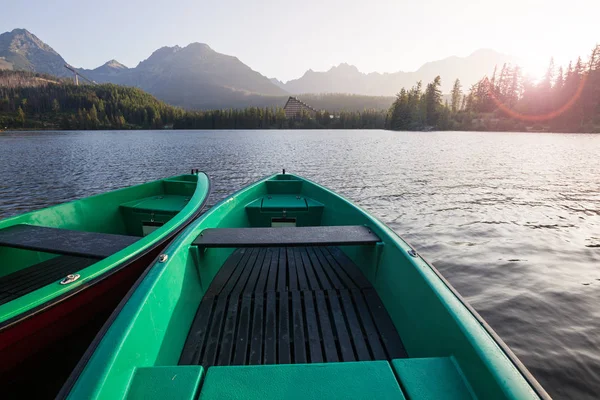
[287, 290]
[63, 270]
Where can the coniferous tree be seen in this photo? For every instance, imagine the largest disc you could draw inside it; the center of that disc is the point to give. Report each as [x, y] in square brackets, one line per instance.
[558, 81]
[515, 90]
[500, 89]
[463, 103]
[414, 104]
[549, 77]
[93, 117]
[20, 117]
[55, 106]
[433, 101]
[456, 96]
[400, 116]
[594, 59]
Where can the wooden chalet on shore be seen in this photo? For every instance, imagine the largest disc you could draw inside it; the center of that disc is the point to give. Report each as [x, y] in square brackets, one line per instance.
[293, 108]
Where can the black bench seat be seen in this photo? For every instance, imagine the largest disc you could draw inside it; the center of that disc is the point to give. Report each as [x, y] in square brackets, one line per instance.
[346, 235]
[64, 241]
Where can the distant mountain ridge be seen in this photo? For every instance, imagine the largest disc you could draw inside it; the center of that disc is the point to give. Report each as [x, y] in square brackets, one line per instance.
[22, 50]
[111, 67]
[194, 76]
[346, 78]
[197, 77]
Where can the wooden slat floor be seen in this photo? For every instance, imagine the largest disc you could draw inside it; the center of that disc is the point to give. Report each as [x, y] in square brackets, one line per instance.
[290, 305]
[27, 280]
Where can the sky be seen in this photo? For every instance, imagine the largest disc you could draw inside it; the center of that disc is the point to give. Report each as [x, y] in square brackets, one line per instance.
[284, 39]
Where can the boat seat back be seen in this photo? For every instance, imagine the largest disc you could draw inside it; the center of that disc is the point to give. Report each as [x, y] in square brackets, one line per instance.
[287, 236]
[143, 216]
[274, 208]
[64, 241]
[284, 187]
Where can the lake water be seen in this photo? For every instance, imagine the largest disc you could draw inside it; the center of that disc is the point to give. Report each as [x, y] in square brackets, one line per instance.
[512, 220]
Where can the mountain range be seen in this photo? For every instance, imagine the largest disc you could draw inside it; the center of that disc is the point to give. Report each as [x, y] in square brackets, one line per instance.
[194, 76]
[346, 78]
[197, 77]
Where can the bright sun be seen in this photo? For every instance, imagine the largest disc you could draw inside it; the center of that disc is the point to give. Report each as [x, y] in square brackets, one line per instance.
[535, 69]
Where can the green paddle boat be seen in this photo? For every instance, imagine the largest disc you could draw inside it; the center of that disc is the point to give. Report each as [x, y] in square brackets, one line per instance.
[64, 269]
[285, 290]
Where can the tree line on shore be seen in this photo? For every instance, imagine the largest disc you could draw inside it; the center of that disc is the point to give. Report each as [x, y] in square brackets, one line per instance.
[39, 103]
[274, 118]
[34, 101]
[564, 100]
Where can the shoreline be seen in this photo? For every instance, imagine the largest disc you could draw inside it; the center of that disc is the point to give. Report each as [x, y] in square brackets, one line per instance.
[295, 129]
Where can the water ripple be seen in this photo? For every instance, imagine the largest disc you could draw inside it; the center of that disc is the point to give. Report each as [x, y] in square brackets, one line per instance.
[511, 219]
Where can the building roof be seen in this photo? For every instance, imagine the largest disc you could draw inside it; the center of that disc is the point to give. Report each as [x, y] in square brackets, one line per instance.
[293, 102]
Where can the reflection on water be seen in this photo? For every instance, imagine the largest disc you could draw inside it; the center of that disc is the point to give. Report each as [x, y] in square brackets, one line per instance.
[511, 219]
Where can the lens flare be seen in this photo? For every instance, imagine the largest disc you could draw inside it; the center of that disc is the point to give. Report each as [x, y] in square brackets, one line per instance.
[543, 117]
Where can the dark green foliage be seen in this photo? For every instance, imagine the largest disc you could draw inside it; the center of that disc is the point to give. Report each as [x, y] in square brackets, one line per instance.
[433, 102]
[338, 102]
[34, 101]
[38, 104]
[415, 110]
[401, 113]
[20, 117]
[274, 118]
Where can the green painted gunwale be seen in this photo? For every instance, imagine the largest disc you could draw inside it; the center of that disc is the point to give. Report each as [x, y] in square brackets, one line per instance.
[432, 319]
[99, 213]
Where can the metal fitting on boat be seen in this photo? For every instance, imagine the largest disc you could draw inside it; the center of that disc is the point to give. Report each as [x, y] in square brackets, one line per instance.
[413, 253]
[69, 279]
[163, 257]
